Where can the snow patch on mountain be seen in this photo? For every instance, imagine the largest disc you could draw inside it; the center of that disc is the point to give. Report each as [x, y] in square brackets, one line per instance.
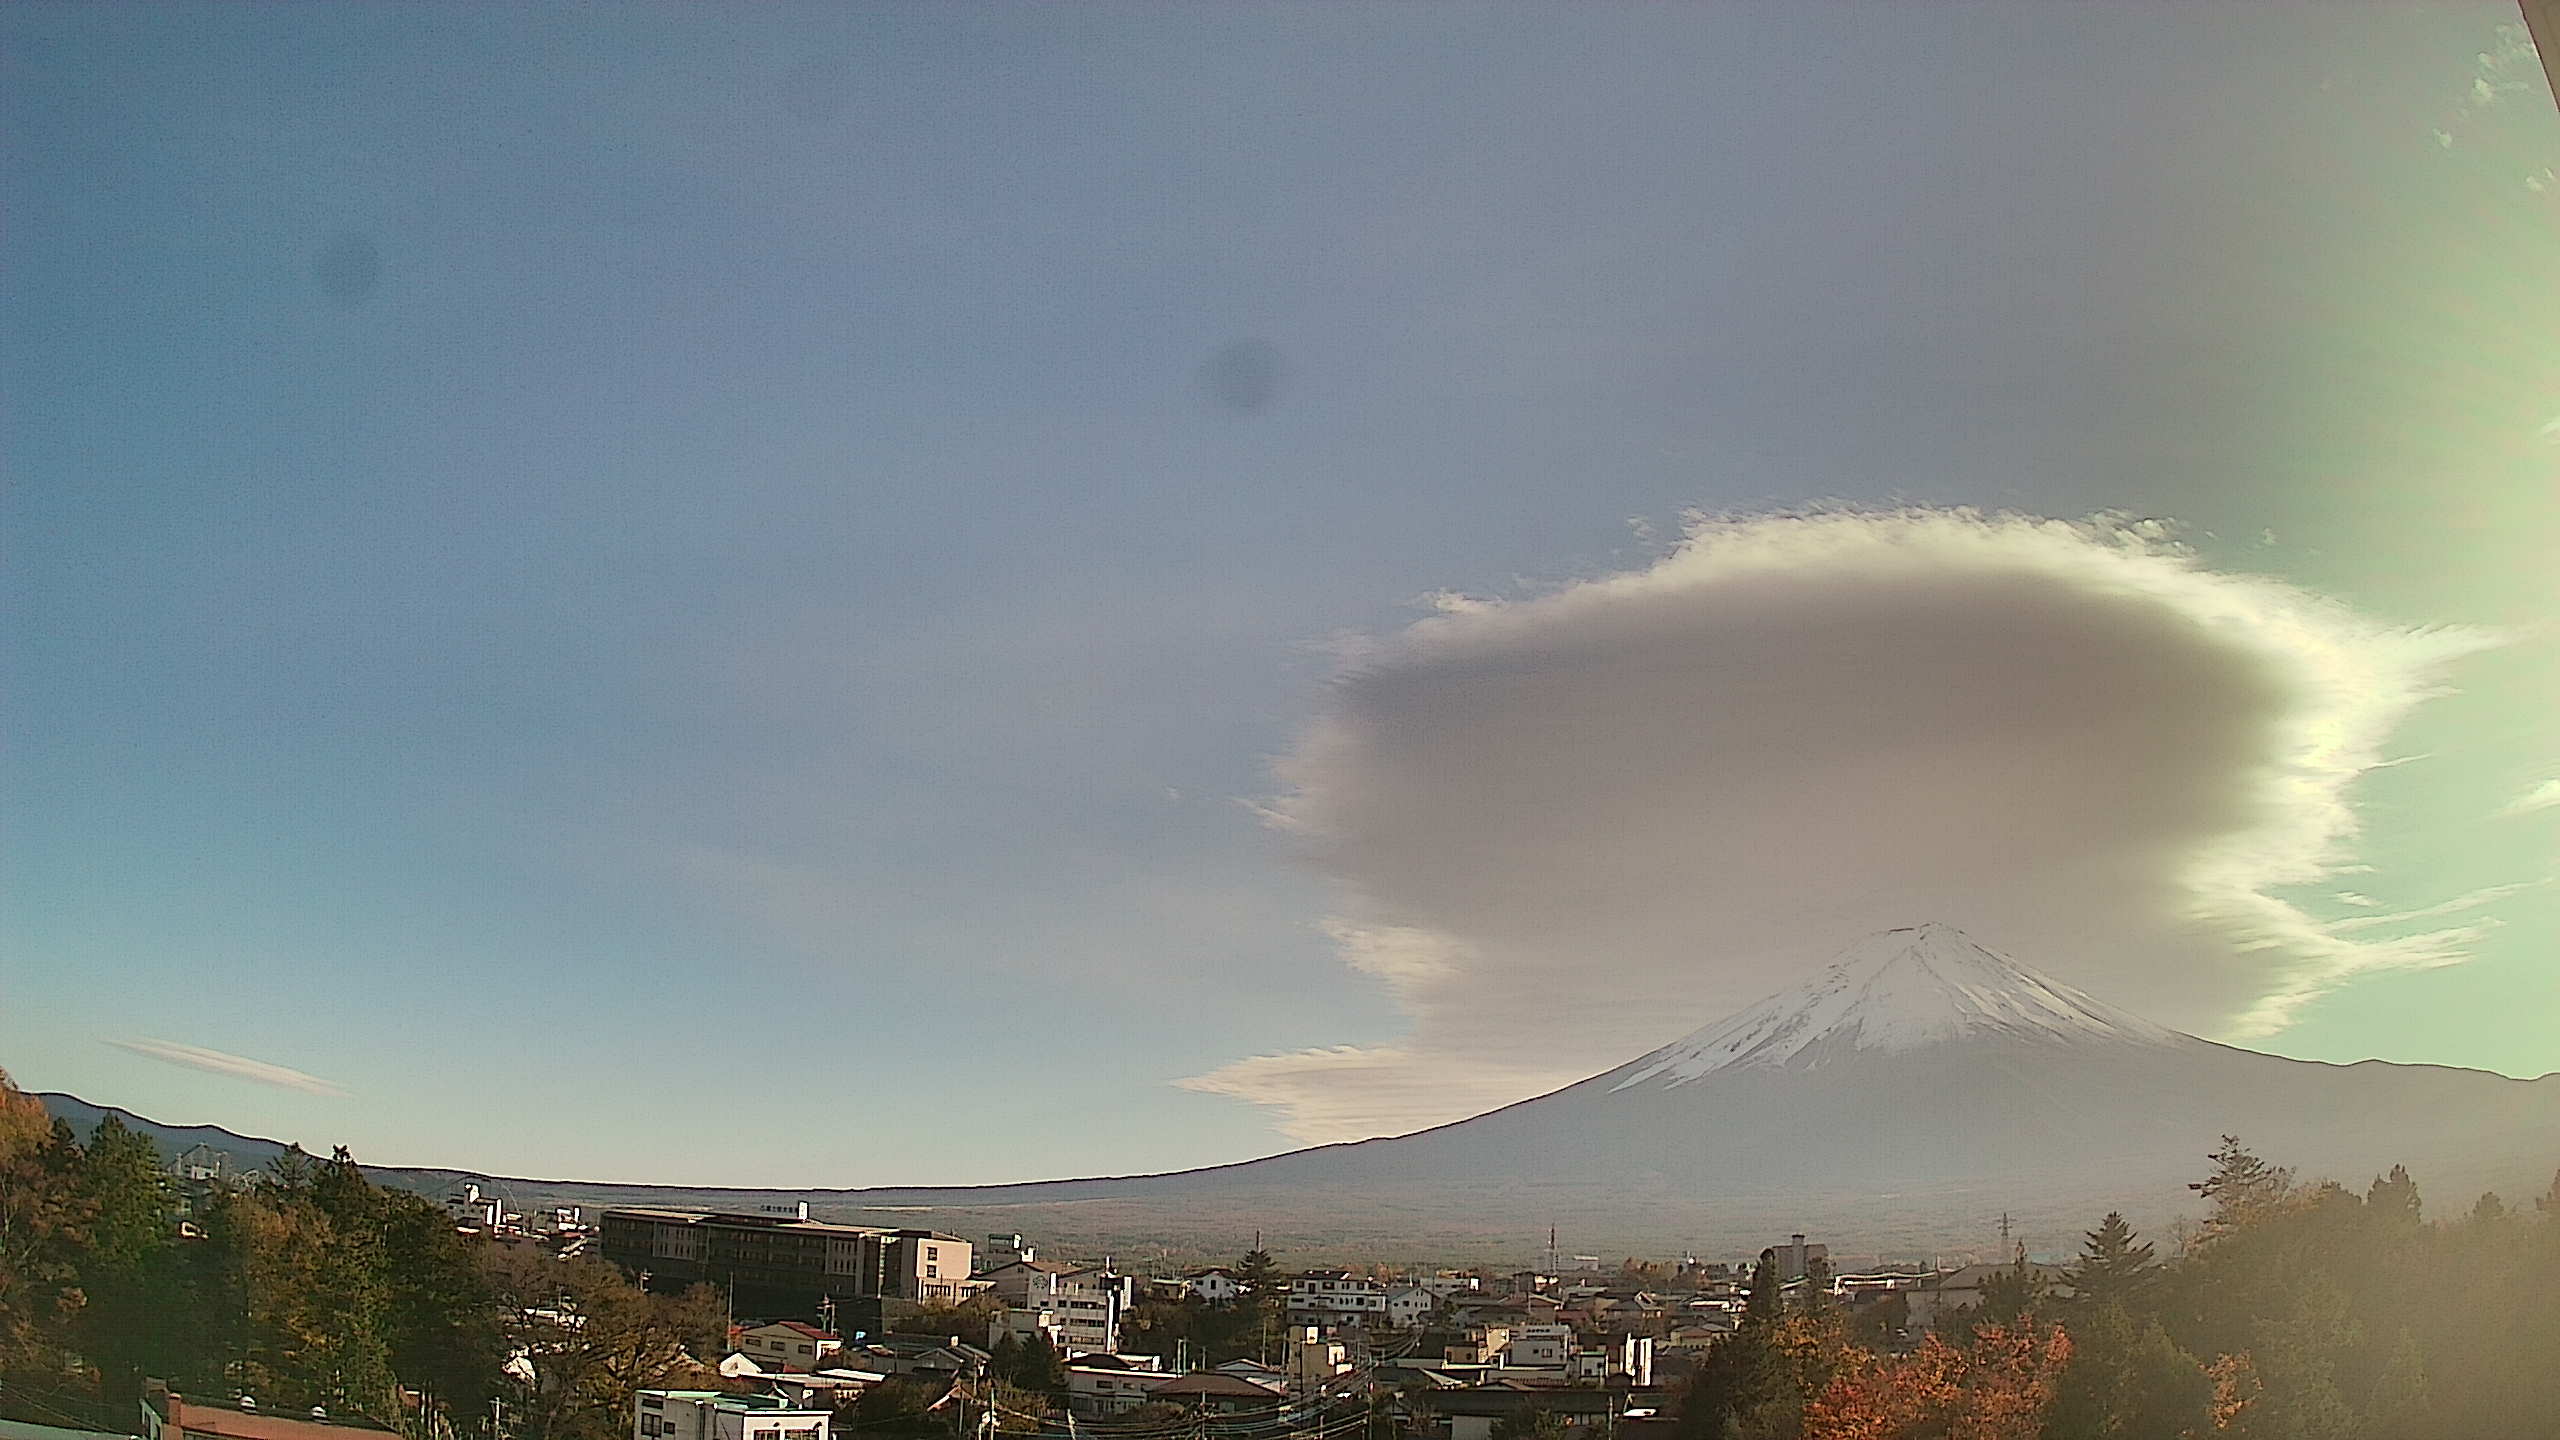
[1899, 990]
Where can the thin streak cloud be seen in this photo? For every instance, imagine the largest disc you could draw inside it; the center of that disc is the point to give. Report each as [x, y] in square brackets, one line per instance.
[237, 1067]
[2541, 797]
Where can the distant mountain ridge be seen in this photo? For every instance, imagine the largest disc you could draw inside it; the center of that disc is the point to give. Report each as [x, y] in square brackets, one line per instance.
[1900, 1101]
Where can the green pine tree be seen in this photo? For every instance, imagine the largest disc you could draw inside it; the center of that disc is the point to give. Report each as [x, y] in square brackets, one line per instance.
[2394, 1197]
[2112, 1267]
[2242, 1188]
[1764, 1300]
[130, 1323]
[2009, 1295]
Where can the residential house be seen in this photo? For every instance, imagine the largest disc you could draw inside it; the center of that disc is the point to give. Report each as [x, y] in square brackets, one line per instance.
[896, 1355]
[828, 1389]
[1936, 1297]
[788, 1345]
[715, 1415]
[1216, 1286]
[1627, 1361]
[1257, 1372]
[1210, 1392]
[1473, 1411]
[1103, 1385]
[1410, 1305]
[1538, 1347]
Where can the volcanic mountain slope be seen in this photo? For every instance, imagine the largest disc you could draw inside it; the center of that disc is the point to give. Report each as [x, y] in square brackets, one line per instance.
[1912, 1092]
[1901, 1100]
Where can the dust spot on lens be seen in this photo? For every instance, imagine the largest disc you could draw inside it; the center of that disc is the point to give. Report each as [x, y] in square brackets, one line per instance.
[1244, 376]
[349, 269]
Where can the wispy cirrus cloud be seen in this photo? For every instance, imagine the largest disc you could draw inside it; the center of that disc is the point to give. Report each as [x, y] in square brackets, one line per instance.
[1569, 827]
[237, 1067]
[2541, 797]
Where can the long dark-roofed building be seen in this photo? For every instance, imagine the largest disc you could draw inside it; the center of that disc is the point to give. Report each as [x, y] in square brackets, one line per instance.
[786, 1262]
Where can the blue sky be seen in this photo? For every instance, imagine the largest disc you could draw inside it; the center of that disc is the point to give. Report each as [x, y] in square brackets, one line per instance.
[678, 594]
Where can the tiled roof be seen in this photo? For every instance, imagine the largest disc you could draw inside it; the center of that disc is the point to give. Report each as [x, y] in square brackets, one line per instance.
[198, 1419]
[1210, 1382]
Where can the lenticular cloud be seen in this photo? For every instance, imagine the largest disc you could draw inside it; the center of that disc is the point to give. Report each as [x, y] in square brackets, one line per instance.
[1568, 828]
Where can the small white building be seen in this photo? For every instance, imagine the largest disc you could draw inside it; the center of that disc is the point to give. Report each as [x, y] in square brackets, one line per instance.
[1315, 1361]
[1538, 1347]
[1216, 1287]
[472, 1205]
[712, 1415]
[1410, 1305]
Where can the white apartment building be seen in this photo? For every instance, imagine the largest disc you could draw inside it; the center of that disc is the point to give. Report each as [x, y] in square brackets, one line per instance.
[1083, 1303]
[712, 1415]
[1334, 1296]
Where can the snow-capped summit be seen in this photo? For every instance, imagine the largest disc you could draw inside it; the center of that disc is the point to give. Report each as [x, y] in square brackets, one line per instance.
[1898, 990]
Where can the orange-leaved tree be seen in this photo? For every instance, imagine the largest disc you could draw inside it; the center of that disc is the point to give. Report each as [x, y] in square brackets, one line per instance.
[1995, 1388]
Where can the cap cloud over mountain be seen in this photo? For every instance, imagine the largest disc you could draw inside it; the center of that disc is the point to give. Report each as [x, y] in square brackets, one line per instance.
[1670, 790]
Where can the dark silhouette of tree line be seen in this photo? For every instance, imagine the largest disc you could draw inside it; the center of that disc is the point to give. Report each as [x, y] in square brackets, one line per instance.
[310, 1287]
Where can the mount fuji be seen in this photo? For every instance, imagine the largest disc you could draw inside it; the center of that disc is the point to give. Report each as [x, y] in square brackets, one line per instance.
[1901, 1101]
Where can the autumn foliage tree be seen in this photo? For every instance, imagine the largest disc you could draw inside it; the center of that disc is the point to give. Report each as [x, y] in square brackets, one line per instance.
[1997, 1386]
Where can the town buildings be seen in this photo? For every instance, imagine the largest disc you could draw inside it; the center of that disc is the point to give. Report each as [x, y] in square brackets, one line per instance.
[1793, 1258]
[1078, 1306]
